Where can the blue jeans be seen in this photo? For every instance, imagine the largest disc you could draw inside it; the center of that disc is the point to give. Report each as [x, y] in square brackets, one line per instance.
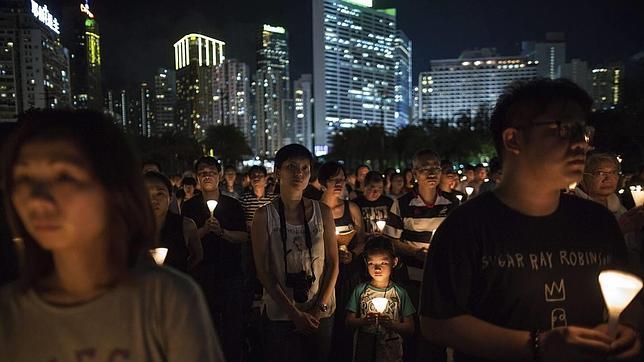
[283, 344]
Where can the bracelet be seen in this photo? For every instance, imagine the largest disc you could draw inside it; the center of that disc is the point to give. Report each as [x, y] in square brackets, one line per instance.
[535, 338]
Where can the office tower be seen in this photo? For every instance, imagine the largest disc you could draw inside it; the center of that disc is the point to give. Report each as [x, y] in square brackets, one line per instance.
[415, 105]
[354, 65]
[34, 65]
[607, 87]
[164, 102]
[195, 56]
[550, 54]
[577, 70]
[82, 38]
[457, 89]
[232, 95]
[145, 108]
[303, 122]
[272, 86]
[403, 89]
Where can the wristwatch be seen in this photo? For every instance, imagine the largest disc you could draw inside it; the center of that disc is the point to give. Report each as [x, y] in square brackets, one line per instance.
[324, 307]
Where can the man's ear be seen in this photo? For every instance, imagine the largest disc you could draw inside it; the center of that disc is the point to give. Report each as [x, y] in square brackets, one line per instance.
[395, 262]
[510, 138]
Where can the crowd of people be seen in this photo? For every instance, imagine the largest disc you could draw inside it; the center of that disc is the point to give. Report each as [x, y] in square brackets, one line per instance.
[439, 262]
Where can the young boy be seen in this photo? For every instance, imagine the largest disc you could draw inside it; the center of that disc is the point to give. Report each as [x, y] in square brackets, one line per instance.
[378, 336]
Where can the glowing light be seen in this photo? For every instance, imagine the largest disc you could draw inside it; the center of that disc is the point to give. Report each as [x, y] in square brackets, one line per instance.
[638, 195]
[274, 29]
[381, 225]
[366, 3]
[159, 255]
[459, 197]
[469, 190]
[212, 205]
[380, 304]
[42, 13]
[619, 289]
[84, 8]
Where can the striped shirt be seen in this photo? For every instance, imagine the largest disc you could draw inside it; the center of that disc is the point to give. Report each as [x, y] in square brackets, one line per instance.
[250, 203]
[413, 222]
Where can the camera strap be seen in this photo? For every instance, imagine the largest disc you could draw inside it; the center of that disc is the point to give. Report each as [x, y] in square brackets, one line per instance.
[283, 233]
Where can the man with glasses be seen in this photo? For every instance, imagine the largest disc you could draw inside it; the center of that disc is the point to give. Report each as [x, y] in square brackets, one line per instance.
[413, 219]
[512, 274]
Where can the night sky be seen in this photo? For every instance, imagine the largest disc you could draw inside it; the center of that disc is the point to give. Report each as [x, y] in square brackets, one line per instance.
[137, 35]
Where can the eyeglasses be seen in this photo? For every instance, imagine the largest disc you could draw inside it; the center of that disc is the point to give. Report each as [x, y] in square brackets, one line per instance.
[429, 170]
[604, 174]
[573, 131]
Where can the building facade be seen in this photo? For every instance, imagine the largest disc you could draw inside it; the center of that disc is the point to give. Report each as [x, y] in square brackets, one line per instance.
[34, 65]
[303, 103]
[403, 88]
[577, 71]
[232, 95]
[606, 87]
[195, 57]
[550, 54]
[464, 88]
[164, 102]
[354, 66]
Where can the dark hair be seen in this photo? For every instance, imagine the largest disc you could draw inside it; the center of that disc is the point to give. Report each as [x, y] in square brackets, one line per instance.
[208, 161]
[150, 162]
[378, 244]
[397, 174]
[425, 153]
[495, 165]
[154, 176]
[292, 151]
[110, 159]
[189, 181]
[532, 98]
[373, 177]
[230, 167]
[328, 170]
[361, 166]
[259, 168]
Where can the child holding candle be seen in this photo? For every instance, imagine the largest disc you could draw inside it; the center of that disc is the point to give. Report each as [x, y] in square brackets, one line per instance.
[378, 336]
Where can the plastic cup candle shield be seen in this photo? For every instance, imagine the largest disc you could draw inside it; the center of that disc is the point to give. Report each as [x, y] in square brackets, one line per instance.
[459, 197]
[619, 289]
[159, 255]
[638, 195]
[212, 205]
[381, 225]
[469, 190]
[380, 304]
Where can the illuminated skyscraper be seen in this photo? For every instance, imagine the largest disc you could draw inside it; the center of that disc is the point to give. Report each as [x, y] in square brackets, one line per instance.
[272, 86]
[82, 38]
[354, 67]
[403, 90]
[606, 87]
[303, 102]
[34, 65]
[195, 57]
[146, 110]
[232, 95]
[550, 54]
[164, 102]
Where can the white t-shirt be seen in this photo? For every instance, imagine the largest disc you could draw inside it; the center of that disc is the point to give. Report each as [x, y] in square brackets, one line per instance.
[156, 314]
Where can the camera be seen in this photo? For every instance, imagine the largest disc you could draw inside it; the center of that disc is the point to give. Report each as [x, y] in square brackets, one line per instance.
[300, 282]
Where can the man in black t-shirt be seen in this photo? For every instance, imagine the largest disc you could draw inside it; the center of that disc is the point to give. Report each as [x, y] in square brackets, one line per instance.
[512, 274]
[374, 206]
[220, 272]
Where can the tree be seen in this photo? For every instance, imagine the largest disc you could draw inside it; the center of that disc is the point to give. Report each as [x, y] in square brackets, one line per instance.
[227, 142]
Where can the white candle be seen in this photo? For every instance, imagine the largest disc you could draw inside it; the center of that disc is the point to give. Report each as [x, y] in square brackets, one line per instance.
[212, 205]
[381, 225]
[469, 190]
[459, 197]
[159, 255]
[638, 195]
[380, 304]
[619, 289]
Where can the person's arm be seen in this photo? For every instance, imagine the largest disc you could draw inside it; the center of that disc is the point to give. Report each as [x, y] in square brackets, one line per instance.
[356, 216]
[331, 262]
[354, 322]
[235, 232]
[260, 240]
[235, 237]
[193, 242]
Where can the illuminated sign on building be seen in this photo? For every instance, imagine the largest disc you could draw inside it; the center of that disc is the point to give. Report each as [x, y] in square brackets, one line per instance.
[42, 13]
[274, 29]
[84, 8]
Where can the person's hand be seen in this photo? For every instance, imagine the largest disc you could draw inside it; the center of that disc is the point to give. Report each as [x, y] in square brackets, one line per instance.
[345, 256]
[385, 321]
[569, 344]
[371, 319]
[626, 345]
[213, 226]
[632, 220]
[305, 323]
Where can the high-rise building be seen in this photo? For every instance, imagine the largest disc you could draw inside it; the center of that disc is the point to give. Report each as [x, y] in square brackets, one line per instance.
[415, 104]
[232, 95]
[607, 87]
[403, 90]
[457, 89]
[577, 71]
[303, 122]
[272, 86]
[195, 56]
[146, 110]
[164, 102]
[288, 121]
[82, 38]
[354, 75]
[551, 54]
[34, 65]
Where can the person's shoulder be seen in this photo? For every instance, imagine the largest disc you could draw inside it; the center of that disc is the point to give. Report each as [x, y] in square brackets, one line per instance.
[9, 292]
[573, 204]
[166, 280]
[229, 200]
[361, 287]
[387, 200]
[193, 202]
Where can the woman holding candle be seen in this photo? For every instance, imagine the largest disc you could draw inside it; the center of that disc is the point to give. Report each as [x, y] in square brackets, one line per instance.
[296, 256]
[75, 196]
[379, 330]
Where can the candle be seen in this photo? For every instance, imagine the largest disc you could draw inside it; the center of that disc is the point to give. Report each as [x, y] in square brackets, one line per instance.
[380, 304]
[469, 190]
[159, 255]
[619, 289]
[381, 225]
[638, 195]
[459, 197]
[212, 205]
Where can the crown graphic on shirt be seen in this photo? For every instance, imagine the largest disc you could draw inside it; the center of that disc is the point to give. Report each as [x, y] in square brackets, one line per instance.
[555, 291]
